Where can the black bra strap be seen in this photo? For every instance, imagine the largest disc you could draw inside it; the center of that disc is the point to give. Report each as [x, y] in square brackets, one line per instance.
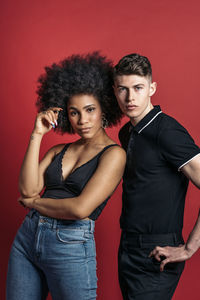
[105, 148]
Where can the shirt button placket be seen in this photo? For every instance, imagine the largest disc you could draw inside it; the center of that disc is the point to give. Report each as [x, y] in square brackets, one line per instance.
[130, 146]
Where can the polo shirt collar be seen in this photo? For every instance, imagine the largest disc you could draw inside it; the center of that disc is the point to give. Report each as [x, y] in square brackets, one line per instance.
[147, 119]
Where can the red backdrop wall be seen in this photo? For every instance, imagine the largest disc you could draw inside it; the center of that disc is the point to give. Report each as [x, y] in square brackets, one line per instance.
[37, 33]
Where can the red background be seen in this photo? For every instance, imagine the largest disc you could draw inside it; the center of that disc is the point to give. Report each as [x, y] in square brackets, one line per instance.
[37, 33]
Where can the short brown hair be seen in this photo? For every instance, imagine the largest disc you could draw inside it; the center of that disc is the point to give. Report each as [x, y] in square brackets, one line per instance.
[133, 64]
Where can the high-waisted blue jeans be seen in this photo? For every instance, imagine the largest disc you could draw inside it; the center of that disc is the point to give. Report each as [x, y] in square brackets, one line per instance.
[55, 256]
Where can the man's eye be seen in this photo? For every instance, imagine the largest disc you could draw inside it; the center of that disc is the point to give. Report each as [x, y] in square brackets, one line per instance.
[138, 88]
[121, 89]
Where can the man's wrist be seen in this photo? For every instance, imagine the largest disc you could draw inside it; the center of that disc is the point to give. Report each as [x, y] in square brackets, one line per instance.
[189, 250]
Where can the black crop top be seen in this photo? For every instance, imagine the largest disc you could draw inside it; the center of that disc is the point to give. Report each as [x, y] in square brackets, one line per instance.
[72, 186]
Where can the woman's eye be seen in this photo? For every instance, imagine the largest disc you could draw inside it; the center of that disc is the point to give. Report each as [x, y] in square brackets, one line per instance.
[90, 109]
[73, 113]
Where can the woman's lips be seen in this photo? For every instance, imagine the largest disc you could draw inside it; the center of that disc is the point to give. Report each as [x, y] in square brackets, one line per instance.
[85, 130]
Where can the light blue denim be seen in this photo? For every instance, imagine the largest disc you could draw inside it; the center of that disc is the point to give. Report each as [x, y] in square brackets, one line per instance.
[53, 256]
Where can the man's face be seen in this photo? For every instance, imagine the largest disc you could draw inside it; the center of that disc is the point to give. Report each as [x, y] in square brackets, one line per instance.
[133, 94]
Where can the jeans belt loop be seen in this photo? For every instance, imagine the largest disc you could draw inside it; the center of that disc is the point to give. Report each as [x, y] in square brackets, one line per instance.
[91, 226]
[54, 224]
[31, 213]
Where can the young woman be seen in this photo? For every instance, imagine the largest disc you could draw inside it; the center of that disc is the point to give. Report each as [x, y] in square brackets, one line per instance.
[54, 249]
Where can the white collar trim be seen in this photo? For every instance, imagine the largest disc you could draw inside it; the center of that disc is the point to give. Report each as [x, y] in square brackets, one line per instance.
[150, 121]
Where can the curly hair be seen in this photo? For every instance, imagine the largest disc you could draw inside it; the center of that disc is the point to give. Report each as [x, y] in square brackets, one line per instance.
[133, 64]
[89, 74]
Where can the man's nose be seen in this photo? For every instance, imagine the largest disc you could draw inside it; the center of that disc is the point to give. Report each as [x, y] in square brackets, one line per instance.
[130, 95]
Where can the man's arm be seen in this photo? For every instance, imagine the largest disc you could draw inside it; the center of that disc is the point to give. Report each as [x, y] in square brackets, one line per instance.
[183, 252]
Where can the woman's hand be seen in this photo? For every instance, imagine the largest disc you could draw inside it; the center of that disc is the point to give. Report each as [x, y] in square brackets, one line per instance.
[46, 120]
[28, 202]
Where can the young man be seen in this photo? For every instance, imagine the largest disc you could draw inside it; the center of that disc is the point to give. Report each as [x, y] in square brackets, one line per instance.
[161, 159]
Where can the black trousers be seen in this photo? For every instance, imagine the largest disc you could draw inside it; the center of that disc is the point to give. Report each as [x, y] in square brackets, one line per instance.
[139, 275]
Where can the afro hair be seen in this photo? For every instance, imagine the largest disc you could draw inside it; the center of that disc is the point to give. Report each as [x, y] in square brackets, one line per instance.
[90, 74]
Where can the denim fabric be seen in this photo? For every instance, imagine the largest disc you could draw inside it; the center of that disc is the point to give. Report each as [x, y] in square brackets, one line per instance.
[55, 256]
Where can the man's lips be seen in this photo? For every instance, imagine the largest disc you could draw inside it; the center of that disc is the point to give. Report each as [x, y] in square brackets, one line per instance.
[131, 107]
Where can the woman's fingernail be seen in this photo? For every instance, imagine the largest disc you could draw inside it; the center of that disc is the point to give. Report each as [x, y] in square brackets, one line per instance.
[52, 124]
[56, 123]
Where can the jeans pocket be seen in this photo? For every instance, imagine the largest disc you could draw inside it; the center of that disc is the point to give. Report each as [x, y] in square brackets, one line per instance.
[24, 228]
[71, 236]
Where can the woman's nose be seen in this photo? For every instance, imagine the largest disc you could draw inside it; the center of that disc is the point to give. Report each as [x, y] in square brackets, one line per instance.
[82, 119]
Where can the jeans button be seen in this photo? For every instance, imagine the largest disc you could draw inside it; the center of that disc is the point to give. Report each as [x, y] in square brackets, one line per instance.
[42, 220]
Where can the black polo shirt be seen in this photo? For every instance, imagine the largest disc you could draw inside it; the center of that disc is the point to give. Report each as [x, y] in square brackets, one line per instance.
[154, 188]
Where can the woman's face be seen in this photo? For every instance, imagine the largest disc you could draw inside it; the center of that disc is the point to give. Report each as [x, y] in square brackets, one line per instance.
[85, 115]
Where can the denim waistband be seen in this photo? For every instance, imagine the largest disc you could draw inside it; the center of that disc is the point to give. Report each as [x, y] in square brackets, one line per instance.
[54, 223]
[139, 239]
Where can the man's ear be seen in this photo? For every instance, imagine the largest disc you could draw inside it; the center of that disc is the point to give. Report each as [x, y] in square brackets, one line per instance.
[153, 87]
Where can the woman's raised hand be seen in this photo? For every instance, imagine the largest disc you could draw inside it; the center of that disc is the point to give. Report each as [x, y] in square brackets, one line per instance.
[46, 120]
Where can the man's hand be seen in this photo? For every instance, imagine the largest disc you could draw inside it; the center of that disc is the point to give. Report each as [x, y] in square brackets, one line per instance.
[170, 254]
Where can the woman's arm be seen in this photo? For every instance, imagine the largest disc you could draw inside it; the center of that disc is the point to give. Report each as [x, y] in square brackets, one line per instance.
[100, 186]
[31, 174]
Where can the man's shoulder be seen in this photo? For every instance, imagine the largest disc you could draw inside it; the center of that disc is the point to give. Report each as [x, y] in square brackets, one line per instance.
[171, 132]
[167, 122]
[124, 131]
[124, 134]
[125, 128]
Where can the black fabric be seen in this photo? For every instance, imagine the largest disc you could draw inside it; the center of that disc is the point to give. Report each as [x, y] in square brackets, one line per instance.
[72, 186]
[153, 188]
[139, 275]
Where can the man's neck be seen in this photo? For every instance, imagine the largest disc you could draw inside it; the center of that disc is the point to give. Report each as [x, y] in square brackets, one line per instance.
[135, 121]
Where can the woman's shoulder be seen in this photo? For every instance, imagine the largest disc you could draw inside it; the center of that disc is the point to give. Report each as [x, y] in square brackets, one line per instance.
[113, 159]
[56, 149]
[114, 151]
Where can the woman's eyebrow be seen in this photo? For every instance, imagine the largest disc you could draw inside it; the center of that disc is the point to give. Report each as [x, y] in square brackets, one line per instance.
[86, 106]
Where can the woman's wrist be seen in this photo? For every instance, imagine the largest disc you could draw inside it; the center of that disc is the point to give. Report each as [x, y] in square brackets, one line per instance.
[36, 134]
[34, 204]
